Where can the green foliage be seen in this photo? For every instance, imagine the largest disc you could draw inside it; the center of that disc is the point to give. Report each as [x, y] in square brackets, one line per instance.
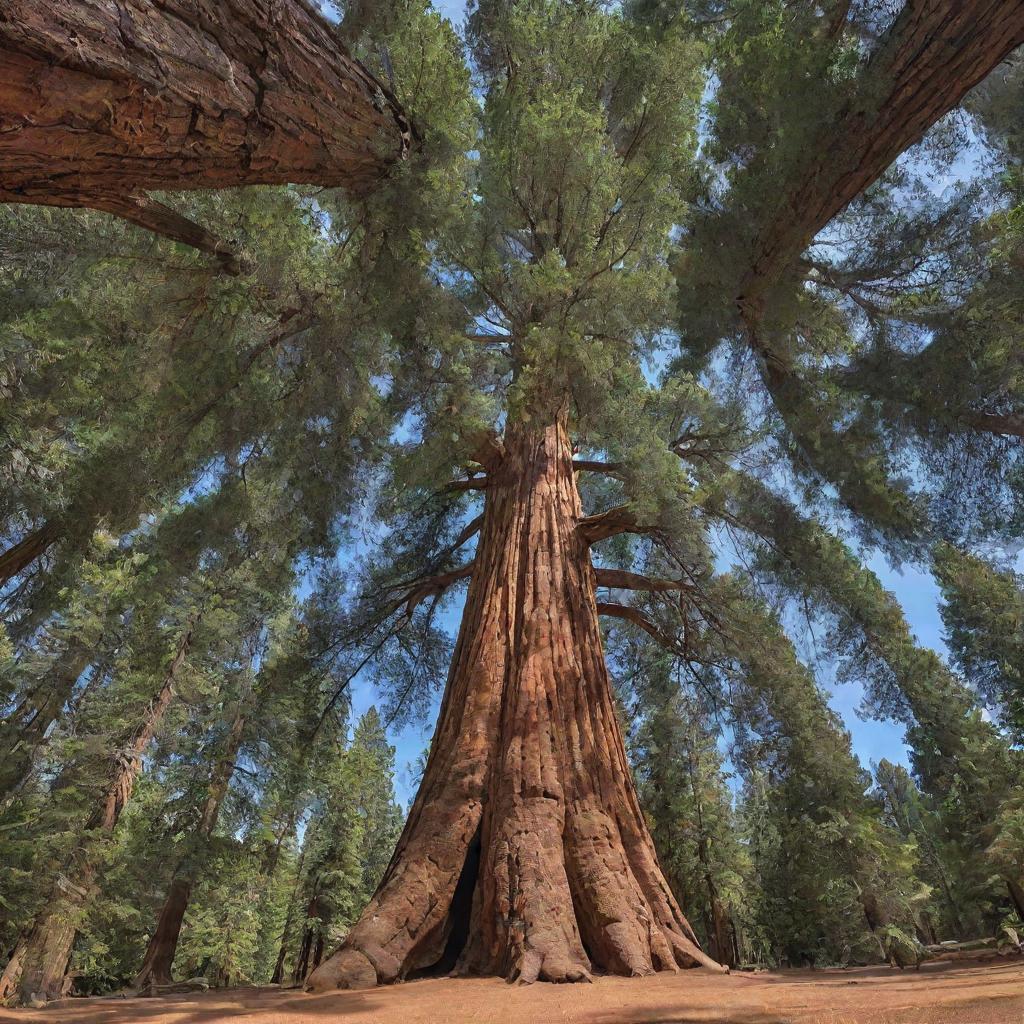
[983, 612]
[286, 462]
[349, 840]
[684, 790]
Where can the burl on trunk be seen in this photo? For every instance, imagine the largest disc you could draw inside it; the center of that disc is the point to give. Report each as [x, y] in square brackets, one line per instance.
[526, 853]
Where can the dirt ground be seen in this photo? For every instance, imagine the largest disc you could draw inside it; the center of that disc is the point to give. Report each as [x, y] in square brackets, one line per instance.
[991, 992]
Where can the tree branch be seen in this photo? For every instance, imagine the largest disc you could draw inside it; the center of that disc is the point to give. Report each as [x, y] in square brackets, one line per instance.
[21, 555]
[431, 585]
[590, 466]
[608, 524]
[927, 61]
[634, 615]
[139, 210]
[619, 579]
[474, 483]
[470, 530]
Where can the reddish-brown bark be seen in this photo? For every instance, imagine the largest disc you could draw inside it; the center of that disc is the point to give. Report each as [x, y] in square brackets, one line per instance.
[526, 853]
[159, 958]
[20, 556]
[100, 102]
[38, 968]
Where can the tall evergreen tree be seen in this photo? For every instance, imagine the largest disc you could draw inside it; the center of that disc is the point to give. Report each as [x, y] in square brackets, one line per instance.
[684, 793]
[640, 290]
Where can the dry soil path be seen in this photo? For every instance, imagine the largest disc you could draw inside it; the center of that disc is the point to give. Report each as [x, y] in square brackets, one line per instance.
[975, 993]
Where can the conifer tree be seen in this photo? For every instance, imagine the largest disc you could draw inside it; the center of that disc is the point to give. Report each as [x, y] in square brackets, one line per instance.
[983, 612]
[682, 787]
[638, 293]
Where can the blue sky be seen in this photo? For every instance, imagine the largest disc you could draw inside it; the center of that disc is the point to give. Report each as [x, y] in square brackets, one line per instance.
[454, 9]
[872, 740]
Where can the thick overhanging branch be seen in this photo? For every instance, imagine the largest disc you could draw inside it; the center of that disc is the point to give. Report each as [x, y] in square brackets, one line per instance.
[922, 68]
[608, 524]
[933, 54]
[619, 579]
[180, 95]
[613, 469]
[140, 210]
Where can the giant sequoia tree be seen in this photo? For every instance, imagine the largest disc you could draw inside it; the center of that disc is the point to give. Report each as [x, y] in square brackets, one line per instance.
[526, 853]
[634, 302]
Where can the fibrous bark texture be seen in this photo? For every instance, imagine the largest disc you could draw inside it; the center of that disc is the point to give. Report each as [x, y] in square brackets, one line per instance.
[101, 100]
[526, 853]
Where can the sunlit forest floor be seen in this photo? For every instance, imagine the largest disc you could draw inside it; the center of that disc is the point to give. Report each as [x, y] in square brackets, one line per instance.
[990, 992]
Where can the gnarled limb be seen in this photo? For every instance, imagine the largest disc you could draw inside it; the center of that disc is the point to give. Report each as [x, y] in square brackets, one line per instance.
[607, 524]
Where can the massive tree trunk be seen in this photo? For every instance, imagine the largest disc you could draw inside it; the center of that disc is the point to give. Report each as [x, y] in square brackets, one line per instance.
[526, 854]
[100, 102]
[159, 958]
[38, 968]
